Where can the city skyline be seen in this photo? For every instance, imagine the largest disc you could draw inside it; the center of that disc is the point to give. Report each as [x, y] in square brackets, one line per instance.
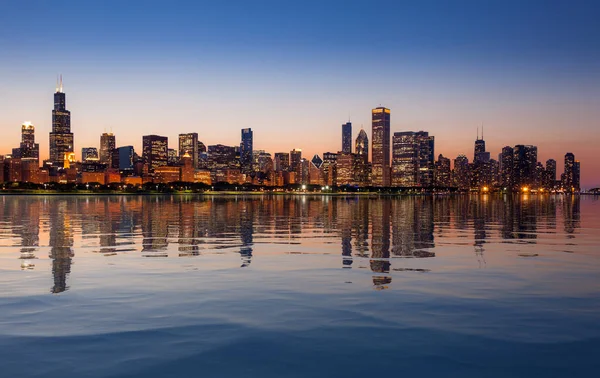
[531, 83]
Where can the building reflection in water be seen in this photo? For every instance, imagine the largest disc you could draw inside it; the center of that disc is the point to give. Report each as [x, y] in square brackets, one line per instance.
[61, 243]
[379, 234]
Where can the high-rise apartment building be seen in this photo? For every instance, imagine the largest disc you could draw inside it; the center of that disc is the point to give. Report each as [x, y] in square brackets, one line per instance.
[155, 150]
[506, 159]
[443, 174]
[188, 144]
[524, 166]
[61, 137]
[347, 138]
[380, 146]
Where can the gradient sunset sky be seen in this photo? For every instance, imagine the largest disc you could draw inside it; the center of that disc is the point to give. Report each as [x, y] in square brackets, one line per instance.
[295, 71]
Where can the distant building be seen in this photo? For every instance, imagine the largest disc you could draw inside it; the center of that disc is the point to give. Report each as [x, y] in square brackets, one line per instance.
[61, 137]
[126, 156]
[107, 147]
[155, 150]
[506, 159]
[246, 150]
[524, 166]
[347, 138]
[90, 155]
[221, 157]
[461, 174]
[295, 159]
[28, 149]
[443, 173]
[282, 161]
[550, 174]
[361, 146]
[187, 168]
[412, 163]
[380, 147]
[188, 144]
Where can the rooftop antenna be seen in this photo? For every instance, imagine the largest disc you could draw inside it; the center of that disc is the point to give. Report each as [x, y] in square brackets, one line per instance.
[477, 132]
[61, 84]
[481, 130]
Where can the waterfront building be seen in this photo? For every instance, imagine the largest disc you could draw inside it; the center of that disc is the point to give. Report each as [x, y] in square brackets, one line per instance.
[155, 151]
[188, 144]
[61, 137]
[347, 138]
[380, 147]
[107, 148]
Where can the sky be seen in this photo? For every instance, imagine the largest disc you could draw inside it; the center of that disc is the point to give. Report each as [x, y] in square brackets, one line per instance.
[528, 71]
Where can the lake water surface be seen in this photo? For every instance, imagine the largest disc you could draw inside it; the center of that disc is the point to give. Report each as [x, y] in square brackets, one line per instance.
[299, 286]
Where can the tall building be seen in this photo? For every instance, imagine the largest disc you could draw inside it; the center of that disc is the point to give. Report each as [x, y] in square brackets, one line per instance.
[295, 159]
[461, 175]
[550, 174]
[221, 157]
[188, 143]
[524, 166]
[506, 167]
[246, 150]
[155, 150]
[361, 147]
[571, 175]
[380, 146]
[126, 156]
[347, 138]
[412, 163]
[61, 137]
[89, 155]
[481, 172]
[443, 174]
[108, 145]
[282, 161]
[172, 157]
[28, 149]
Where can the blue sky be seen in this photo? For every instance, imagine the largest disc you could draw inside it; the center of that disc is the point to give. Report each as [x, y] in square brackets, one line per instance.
[295, 71]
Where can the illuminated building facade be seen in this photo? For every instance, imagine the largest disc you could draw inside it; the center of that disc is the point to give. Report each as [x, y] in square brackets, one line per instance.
[361, 146]
[107, 148]
[61, 137]
[155, 150]
[347, 138]
[89, 155]
[524, 166]
[246, 150]
[126, 156]
[380, 146]
[412, 163]
[282, 162]
[188, 144]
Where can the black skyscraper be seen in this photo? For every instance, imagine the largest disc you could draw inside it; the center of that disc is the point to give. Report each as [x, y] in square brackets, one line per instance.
[246, 150]
[61, 137]
[347, 138]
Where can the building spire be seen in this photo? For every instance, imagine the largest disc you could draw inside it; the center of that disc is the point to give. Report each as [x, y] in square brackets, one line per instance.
[61, 84]
[477, 133]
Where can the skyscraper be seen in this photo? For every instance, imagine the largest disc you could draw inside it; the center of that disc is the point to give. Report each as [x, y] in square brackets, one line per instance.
[443, 174]
[188, 143]
[282, 161]
[550, 174]
[506, 167]
[361, 146]
[61, 137]
[125, 158]
[380, 149]
[107, 148]
[347, 138]
[412, 163]
[246, 150]
[295, 159]
[524, 166]
[28, 149]
[570, 182]
[154, 150]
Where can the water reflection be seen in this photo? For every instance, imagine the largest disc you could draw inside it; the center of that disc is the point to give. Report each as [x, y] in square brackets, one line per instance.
[367, 233]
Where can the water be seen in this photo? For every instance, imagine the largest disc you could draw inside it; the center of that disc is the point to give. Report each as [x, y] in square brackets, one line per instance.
[299, 286]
